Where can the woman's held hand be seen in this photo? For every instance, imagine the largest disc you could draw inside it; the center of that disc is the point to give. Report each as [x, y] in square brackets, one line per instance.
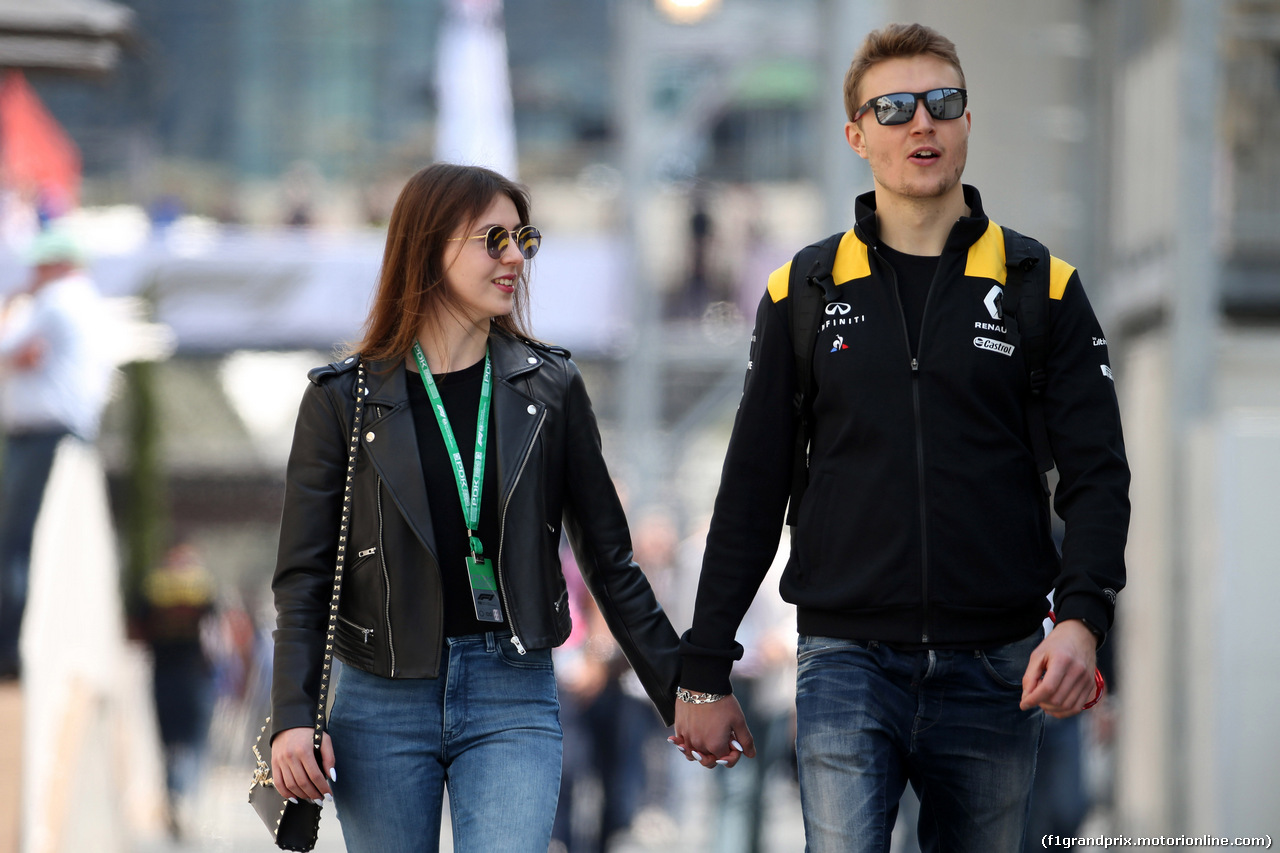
[293, 765]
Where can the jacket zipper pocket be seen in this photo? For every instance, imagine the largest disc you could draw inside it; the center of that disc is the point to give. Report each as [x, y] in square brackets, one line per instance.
[367, 552]
[364, 632]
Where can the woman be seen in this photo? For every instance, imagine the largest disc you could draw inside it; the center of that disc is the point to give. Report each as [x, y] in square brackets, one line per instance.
[448, 611]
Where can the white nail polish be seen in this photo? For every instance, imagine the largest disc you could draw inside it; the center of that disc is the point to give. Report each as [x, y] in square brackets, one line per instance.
[318, 802]
[697, 756]
[737, 746]
[723, 762]
[293, 800]
[333, 774]
[679, 747]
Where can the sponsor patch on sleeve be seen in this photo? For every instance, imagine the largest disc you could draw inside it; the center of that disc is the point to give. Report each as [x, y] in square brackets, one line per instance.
[1106, 371]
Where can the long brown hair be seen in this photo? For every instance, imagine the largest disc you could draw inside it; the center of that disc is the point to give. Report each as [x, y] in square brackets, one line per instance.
[411, 287]
[891, 42]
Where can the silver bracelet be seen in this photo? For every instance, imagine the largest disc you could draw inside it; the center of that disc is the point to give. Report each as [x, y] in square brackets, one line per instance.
[698, 698]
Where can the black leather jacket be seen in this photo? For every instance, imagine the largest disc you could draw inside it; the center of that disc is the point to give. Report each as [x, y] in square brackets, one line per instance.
[550, 470]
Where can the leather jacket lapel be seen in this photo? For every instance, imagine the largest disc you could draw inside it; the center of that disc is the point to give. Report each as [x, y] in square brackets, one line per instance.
[515, 415]
[516, 418]
[393, 449]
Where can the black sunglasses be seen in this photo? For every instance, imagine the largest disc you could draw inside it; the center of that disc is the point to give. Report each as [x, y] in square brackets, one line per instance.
[899, 107]
[496, 239]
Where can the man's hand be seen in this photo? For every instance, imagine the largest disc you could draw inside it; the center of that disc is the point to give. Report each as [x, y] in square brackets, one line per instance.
[1059, 677]
[293, 765]
[713, 733]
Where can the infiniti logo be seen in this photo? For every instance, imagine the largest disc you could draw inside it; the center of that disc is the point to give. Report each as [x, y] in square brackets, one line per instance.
[838, 308]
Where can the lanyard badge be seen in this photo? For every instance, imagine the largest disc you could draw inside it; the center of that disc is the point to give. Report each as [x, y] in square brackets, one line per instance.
[480, 572]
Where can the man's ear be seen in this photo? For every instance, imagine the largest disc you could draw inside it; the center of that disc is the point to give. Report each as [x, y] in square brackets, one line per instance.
[858, 142]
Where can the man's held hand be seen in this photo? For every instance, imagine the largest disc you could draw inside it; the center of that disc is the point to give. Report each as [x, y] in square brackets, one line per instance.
[713, 733]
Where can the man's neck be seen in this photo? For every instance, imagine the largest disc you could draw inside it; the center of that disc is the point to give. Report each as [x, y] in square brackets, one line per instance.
[918, 226]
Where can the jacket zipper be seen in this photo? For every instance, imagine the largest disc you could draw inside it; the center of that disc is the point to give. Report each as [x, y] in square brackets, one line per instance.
[365, 632]
[386, 579]
[915, 405]
[924, 513]
[502, 536]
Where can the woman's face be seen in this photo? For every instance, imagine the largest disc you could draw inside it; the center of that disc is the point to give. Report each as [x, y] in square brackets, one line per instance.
[485, 287]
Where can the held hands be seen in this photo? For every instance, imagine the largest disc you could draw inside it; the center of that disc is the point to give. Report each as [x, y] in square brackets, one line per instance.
[293, 765]
[1059, 677]
[714, 734]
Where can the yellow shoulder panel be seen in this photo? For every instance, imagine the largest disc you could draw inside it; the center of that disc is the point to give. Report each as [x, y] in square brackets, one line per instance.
[1059, 274]
[779, 280]
[986, 255]
[851, 259]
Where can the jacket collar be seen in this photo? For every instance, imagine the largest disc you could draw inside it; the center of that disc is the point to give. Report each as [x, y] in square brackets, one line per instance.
[509, 356]
[964, 233]
[392, 443]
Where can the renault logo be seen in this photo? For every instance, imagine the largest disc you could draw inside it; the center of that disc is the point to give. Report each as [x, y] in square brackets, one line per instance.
[995, 302]
[838, 308]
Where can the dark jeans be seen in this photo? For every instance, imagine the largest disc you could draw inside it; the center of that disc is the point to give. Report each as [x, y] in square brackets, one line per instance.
[871, 718]
[28, 459]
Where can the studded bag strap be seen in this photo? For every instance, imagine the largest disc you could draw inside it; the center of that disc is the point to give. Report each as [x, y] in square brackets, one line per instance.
[352, 446]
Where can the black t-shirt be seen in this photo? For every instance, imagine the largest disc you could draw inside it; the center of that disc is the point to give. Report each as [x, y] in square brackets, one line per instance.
[915, 274]
[460, 393]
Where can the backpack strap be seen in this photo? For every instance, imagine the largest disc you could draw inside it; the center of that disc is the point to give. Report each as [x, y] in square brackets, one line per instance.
[1025, 306]
[810, 289]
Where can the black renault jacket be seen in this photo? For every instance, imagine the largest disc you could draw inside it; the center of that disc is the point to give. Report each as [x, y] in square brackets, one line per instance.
[924, 521]
[550, 471]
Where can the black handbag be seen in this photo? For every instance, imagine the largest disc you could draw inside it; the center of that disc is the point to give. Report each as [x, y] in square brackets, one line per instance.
[296, 826]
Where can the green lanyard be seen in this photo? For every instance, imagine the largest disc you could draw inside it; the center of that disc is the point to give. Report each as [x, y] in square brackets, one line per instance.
[470, 497]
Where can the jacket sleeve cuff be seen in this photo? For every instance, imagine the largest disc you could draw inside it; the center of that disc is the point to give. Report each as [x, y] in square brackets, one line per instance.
[1095, 612]
[706, 670]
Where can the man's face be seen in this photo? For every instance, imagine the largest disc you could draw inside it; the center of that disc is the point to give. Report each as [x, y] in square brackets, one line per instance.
[924, 158]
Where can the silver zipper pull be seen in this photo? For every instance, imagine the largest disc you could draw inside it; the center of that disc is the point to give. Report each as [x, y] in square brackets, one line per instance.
[515, 641]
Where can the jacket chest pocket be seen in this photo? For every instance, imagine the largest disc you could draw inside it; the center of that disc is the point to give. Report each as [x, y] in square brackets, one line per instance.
[974, 357]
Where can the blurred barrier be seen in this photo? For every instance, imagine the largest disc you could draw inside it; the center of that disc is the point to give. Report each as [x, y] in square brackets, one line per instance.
[91, 774]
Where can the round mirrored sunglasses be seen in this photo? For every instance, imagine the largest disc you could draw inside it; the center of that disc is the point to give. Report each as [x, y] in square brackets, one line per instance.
[528, 240]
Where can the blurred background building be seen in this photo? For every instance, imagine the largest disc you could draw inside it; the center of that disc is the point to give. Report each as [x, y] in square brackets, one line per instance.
[238, 159]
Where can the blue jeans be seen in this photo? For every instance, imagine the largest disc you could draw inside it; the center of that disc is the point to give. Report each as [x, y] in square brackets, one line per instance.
[871, 718]
[488, 727]
[28, 461]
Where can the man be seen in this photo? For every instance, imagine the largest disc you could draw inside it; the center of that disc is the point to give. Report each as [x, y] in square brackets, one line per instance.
[921, 552]
[55, 384]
